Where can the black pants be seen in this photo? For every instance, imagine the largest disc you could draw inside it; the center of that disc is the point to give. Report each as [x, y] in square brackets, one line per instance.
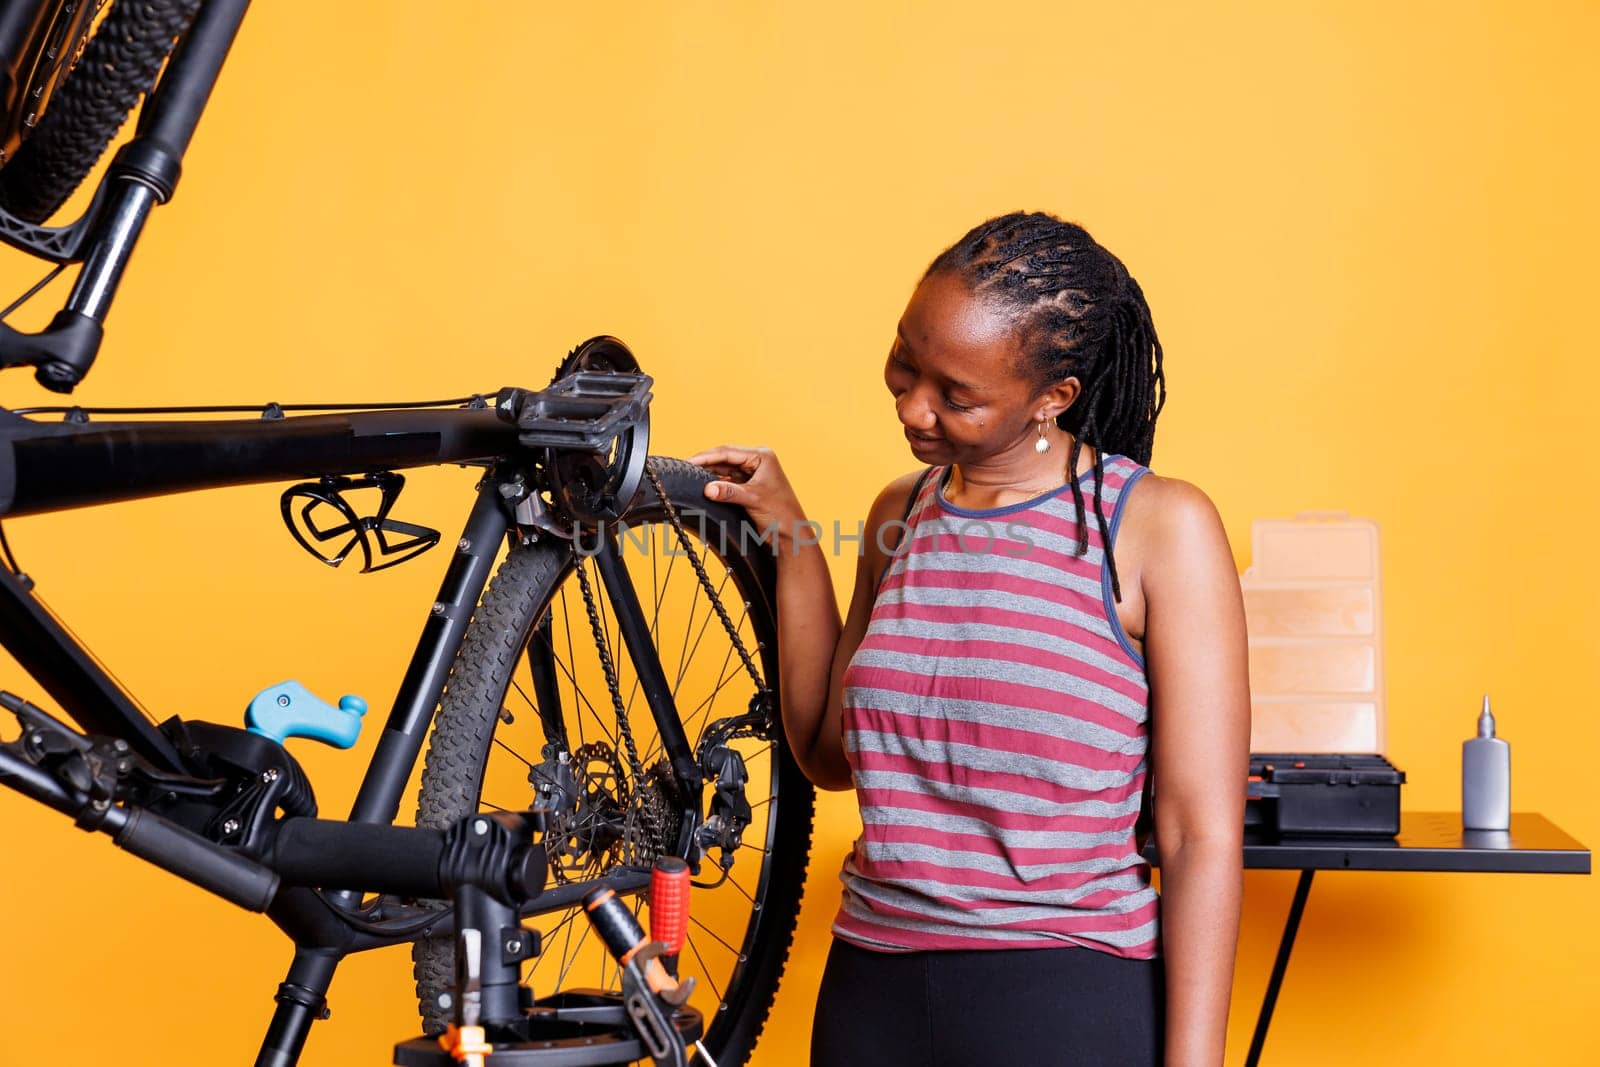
[1055, 1006]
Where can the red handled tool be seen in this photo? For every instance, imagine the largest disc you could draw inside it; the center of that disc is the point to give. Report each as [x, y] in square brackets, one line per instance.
[669, 907]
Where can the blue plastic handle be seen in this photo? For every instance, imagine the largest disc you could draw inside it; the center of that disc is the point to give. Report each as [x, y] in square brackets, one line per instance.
[289, 709]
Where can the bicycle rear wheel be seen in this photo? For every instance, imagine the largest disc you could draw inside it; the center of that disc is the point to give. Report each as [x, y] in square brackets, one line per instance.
[508, 721]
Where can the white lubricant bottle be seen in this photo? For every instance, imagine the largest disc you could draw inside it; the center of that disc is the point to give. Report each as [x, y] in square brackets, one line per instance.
[1485, 778]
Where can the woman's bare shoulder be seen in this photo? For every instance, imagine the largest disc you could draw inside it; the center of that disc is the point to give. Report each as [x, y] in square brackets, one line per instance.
[891, 501]
[881, 535]
[1169, 520]
[1161, 499]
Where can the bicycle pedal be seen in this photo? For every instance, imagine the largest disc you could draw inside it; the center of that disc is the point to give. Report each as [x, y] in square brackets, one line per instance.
[584, 411]
[289, 709]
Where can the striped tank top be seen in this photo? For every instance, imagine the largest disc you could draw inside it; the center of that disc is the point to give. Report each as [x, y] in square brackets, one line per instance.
[996, 721]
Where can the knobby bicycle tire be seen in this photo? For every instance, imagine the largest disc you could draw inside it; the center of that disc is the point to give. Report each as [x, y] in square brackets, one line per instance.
[118, 66]
[541, 577]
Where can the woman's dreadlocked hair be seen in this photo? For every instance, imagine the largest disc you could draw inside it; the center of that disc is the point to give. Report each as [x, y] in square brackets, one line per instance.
[1080, 314]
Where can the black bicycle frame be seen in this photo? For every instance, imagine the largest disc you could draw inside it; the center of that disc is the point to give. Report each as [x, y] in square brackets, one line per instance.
[55, 466]
[74, 463]
[52, 466]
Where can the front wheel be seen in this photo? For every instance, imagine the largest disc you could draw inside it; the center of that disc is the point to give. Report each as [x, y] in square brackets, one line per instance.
[529, 716]
[119, 65]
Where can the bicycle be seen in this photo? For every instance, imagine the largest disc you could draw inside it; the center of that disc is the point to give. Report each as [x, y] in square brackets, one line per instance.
[568, 488]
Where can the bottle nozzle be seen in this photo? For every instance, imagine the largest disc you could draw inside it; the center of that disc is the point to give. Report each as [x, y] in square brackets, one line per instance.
[1486, 719]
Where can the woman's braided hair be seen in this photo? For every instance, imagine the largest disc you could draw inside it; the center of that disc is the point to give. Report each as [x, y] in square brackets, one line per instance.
[1079, 314]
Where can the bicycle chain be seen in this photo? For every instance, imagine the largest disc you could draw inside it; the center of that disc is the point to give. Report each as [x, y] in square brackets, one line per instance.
[615, 686]
[645, 825]
[705, 580]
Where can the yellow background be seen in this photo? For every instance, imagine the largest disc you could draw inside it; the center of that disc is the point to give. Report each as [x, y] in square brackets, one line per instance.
[1367, 233]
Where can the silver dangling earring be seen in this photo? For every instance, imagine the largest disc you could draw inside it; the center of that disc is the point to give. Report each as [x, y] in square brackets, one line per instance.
[1042, 445]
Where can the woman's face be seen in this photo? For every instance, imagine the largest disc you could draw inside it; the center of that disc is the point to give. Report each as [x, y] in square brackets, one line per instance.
[955, 372]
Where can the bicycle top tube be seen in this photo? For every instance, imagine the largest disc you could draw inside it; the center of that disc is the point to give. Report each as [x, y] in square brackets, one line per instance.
[51, 466]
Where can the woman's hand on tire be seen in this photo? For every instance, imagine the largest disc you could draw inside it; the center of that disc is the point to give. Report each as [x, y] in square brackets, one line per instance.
[752, 478]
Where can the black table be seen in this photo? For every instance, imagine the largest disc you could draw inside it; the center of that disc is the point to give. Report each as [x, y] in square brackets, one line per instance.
[1428, 841]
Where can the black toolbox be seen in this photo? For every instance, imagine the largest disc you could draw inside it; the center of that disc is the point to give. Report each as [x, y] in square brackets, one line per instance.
[1343, 795]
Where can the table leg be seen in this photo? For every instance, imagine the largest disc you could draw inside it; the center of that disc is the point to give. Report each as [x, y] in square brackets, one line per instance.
[1281, 964]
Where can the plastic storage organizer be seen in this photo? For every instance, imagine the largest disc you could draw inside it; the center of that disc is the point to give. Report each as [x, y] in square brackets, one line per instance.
[1314, 615]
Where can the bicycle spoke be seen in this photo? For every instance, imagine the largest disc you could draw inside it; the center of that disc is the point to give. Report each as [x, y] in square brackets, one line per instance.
[523, 693]
[722, 673]
[513, 751]
[714, 935]
[701, 636]
[545, 940]
[725, 677]
[700, 710]
[704, 707]
[585, 702]
[704, 970]
[727, 657]
[576, 952]
[683, 651]
[672, 561]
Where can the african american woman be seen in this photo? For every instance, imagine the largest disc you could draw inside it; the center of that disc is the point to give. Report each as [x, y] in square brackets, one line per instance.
[1043, 660]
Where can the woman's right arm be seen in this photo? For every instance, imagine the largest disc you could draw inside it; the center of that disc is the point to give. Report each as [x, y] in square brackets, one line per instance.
[881, 536]
[813, 648]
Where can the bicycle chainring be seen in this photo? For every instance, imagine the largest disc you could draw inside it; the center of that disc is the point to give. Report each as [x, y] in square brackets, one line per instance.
[589, 486]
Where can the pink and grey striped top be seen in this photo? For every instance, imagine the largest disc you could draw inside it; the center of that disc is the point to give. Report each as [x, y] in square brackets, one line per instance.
[996, 721]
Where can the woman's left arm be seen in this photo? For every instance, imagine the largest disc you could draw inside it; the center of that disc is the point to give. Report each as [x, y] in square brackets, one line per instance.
[1194, 646]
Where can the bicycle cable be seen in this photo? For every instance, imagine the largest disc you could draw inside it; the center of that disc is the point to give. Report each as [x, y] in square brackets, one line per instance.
[478, 399]
[33, 292]
[11, 560]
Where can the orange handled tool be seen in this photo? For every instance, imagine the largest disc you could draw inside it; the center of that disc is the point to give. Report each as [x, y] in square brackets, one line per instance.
[624, 936]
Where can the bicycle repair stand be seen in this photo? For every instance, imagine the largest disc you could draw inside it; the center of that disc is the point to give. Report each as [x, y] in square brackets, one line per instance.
[571, 1028]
